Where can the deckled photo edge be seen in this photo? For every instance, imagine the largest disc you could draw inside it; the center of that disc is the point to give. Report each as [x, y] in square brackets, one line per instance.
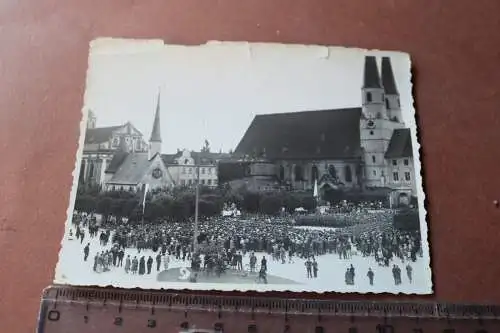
[414, 138]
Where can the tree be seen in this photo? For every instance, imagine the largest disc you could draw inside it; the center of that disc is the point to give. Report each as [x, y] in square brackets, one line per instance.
[104, 206]
[270, 204]
[251, 202]
[206, 147]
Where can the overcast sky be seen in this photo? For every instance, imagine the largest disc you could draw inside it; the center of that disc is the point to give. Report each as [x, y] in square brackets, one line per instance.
[214, 91]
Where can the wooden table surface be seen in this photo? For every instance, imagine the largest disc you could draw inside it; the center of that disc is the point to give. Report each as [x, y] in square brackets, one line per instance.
[455, 47]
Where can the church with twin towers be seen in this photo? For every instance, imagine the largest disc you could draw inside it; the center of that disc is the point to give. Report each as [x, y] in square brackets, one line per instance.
[365, 149]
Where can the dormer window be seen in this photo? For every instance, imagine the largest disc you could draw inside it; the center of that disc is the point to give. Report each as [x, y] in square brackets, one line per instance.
[186, 161]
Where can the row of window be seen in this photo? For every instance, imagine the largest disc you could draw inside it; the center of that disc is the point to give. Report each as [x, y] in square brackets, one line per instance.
[395, 176]
[208, 182]
[203, 171]
[116, 142]
[394, 162]
[369, 99]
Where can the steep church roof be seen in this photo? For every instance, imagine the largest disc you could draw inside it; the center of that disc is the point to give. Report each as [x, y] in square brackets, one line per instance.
[320, 134]
[100, 134]
[388, 77]
[371, 75]
[400, 145]
[156, 132]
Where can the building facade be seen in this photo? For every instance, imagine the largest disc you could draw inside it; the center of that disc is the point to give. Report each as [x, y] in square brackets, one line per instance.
[101, 143]
[129, 164]
[364, 148]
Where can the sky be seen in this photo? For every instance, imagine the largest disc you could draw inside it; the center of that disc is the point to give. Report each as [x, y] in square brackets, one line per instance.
[212, 92]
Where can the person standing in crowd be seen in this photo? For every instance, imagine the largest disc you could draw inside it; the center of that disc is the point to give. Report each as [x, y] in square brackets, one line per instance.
[86, 250]
[135, 264]
[315, 268]
[308, 265]
[150, 264]
[370, 275]
[128, 263]
[96, 261]
[253, 262]
[352, 274]
[158, 261]
[263, 264]
[396, 273]
[142, 266]
[82, 236]
[409, 271]
[121, 254]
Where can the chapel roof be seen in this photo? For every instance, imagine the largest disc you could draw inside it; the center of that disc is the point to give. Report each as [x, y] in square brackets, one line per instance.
[131, 170]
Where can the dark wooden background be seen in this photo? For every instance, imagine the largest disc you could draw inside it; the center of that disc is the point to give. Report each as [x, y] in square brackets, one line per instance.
[455, 47]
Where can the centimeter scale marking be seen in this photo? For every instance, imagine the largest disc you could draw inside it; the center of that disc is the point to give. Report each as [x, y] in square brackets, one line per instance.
[87, 310]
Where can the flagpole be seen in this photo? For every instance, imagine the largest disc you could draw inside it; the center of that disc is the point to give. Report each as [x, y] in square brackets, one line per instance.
[197, 194]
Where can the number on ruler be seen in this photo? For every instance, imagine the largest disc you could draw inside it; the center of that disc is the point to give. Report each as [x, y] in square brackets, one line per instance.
[54, 315]
[118, 321]
[185, 273]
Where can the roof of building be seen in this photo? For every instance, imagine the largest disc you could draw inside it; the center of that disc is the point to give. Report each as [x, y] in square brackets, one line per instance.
[400, 145]
[100, 134]
[116, 161]
[156, 132]
[371, 75]
[388, 77]
[132, 169]
[201, 157]
[304, 135]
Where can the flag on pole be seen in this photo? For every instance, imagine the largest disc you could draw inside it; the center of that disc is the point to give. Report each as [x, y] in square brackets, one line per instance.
[315, 192]
[146, 187]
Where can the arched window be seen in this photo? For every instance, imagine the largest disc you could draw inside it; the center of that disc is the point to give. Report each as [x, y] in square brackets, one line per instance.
[314, 172]
[282, 173]
[299, 173]
[368, 97]
[348, 174]
[332, 171]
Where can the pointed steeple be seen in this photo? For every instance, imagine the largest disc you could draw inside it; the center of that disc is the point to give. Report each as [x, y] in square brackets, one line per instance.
[371, 75]
[156, 132]
[388, 77]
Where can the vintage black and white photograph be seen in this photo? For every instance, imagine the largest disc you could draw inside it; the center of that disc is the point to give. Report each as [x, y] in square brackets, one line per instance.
[241, 166]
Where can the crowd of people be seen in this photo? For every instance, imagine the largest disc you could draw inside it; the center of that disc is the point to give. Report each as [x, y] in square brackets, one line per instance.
[223, 242]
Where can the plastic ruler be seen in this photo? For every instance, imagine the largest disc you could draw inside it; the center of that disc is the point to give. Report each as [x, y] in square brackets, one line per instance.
[86, 310]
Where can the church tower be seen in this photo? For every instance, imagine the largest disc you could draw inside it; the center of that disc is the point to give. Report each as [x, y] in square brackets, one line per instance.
[392, 103]
[376, 127]
[155, 140]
